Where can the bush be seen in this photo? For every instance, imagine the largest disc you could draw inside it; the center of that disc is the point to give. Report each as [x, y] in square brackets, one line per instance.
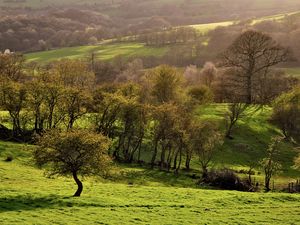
[226, 179]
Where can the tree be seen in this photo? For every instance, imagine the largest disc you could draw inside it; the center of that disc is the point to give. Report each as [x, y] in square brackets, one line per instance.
[200, 95]
[192, 75]
[165, 119]
[208, 74]
[73, 73]
[74, 104]
[13, 100]
[252, 54]
[286, 114]
[235, 112]
[271, 163]
[107, 102]
[132, 119]
[166, 83]
[205, 139]
[77, 152]
[35, 101]
[11, 66]
[53, 96]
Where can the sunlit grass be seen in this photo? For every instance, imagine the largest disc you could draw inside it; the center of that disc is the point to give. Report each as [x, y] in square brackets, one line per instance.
[252, 136]
[205, 28]
[102, 52]
[27, 197]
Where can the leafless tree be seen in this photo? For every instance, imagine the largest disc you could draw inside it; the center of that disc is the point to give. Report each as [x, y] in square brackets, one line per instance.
[252, 54]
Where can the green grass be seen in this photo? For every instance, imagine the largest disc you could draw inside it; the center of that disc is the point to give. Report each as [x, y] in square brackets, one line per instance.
[252, 136]
[137, 195]
[103, 52]
[27, 197]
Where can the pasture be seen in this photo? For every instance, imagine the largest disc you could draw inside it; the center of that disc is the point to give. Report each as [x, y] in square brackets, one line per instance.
[102, 52]
[27, 197]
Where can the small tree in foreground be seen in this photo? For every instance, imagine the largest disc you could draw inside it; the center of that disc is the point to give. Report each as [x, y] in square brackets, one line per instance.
[74, 153]
[271, 164]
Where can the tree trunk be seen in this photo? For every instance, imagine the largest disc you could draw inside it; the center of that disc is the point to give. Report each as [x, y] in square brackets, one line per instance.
[162, 156]
[187, 161]
[179, 163]
[175, 159]
[79, 184]
[267, 183]
[204, 172]
[229, 130]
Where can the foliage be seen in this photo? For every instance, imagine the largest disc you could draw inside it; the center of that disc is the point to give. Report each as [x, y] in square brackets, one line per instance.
[205, 140]
[76, 152]
[286, 114]
[235, 112]
[271, 163]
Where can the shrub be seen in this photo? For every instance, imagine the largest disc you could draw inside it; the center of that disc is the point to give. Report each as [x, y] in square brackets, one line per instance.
[226, 179]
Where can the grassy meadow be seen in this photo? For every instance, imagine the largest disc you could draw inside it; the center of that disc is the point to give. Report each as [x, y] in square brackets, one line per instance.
[27, 197]
[102, 52]
[137, 195]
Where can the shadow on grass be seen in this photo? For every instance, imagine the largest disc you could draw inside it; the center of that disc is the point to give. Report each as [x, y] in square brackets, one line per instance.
[135, 174]
[20, 203]
[27, 203]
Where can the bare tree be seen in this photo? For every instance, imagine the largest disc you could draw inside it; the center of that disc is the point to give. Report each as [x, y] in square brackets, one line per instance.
[252, 54]
[208, 74]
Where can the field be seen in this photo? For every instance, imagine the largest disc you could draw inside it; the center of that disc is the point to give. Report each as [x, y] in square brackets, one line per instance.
[138, 195]
[28, 197]
[251, 138]
[205, 28]
[103, 52]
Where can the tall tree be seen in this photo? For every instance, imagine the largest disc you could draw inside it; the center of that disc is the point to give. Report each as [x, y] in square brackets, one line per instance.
[166, 83]
[13, 100]
[11, 66]
[252, 54]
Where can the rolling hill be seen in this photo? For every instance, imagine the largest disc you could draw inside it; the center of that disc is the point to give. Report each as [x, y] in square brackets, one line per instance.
[137, 195]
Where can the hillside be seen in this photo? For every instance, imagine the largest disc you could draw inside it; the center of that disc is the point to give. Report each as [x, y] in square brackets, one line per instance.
[27, 196]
